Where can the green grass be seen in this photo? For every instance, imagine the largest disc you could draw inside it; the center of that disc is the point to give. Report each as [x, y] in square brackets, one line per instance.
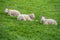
[13, 29]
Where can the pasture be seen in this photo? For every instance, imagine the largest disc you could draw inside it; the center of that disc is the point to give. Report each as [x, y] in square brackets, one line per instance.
[13, 29]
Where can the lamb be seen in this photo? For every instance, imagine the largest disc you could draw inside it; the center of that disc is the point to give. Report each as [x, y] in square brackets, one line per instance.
[12, 12]
[48, 21]
[24, 17]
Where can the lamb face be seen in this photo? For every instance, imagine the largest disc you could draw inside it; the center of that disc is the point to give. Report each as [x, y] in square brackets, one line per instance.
[42, 19]
[6, 10]
[32, 16]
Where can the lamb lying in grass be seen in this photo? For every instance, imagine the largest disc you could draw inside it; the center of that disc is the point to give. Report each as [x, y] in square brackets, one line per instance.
[48, 21]
[26, 17]
[12, 12]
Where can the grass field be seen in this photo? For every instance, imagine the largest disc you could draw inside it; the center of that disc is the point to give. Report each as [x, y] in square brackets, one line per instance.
[13, 29]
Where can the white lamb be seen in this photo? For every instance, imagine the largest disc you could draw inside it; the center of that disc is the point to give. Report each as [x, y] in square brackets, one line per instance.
[48, 21]
[12, 12]
[23, 17]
